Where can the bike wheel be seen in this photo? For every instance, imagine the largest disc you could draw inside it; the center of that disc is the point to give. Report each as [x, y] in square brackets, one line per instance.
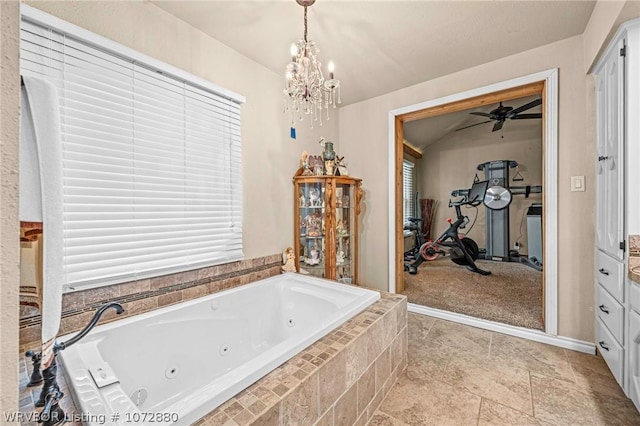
[471, 247]
[428, 251]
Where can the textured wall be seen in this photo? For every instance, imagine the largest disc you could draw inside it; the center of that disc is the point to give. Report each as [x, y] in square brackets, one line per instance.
[9, 225]
[366, 123]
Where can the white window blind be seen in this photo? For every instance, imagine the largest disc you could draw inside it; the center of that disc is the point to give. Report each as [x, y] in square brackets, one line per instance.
[152, 163]
[408, 190]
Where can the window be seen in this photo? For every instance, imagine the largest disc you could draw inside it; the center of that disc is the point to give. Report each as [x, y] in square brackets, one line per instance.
[151, 158]
[409, 190]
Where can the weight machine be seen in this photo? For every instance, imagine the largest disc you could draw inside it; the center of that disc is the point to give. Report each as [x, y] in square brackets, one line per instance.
[497, 200]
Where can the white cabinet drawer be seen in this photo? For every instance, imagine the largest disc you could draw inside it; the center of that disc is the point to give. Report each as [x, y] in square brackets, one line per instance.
[609, 274]
[610, 312]
[634, 358]
[634, 296]
[610, 350]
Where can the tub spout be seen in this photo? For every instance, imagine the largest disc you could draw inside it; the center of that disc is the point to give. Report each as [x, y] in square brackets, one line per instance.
[96, 317]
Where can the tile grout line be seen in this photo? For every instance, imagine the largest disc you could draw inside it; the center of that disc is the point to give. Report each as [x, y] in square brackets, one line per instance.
[479, 411]
[533, 408]
[573, 373]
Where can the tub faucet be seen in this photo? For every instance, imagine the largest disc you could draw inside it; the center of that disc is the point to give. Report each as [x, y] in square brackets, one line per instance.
[96, 317]
[50, 395]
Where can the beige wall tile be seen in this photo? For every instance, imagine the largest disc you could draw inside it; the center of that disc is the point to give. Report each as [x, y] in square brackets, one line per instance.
[383, 369]
[169, 298]
[346, 408]
[326, 419]
[333, 380]
[300, 406]
[135, 287]
[366, 388]
[356, 358]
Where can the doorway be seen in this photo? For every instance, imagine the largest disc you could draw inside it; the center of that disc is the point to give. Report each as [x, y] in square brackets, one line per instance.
[542, 85]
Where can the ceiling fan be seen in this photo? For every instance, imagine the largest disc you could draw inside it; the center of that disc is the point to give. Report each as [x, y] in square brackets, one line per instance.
[502, 113]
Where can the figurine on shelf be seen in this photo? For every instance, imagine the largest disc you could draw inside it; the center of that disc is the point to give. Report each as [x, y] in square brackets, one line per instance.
[341, 167]
[329, 167]
[302, 202]
[314, 256]
[288, 260]
[307, 170]
[314, 225]
[340, 258]
[314, 198]
[345, 201]
[341, 228]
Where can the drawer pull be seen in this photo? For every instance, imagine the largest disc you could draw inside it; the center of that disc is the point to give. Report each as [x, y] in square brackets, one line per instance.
[603, 271]
[603, 346]
[603, 309]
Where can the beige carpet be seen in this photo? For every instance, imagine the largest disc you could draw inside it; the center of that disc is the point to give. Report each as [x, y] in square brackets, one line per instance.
[512, 294]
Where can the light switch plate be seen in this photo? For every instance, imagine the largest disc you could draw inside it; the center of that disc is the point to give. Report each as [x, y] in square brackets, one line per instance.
[577, 184]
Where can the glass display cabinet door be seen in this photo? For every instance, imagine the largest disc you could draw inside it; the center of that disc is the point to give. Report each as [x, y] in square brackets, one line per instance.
[345, 228]
[311, 232]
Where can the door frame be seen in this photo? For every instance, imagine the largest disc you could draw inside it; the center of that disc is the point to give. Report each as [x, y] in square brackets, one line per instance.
[505, 90]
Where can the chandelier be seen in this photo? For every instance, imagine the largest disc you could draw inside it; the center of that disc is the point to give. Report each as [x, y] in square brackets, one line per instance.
[307, 90]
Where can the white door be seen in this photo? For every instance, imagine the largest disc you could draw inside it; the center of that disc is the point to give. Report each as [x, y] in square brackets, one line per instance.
[601, 152]
[611, 158]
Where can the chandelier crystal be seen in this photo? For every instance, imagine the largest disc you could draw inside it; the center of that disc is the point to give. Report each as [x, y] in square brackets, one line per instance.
[307, 91]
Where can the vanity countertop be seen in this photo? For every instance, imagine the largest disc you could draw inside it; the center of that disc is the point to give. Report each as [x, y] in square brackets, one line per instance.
[634, 258]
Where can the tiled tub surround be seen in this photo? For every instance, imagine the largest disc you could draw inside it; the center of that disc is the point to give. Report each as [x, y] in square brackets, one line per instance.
[339, 380]
[204, 351]
[148, 294]
[634, 258]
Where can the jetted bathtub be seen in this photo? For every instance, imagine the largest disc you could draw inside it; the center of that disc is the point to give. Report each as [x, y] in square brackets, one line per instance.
[178, 363]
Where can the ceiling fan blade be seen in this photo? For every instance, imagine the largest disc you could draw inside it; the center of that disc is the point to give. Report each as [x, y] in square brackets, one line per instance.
[497, 126]
[525, 107]
[477, 124]
[525, 116]
[482, 114]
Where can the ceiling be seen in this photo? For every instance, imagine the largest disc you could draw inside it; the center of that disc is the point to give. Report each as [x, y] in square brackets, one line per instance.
[382, 46]
[422, 133]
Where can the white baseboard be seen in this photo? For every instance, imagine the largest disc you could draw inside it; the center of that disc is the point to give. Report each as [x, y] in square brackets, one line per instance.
[525, 333]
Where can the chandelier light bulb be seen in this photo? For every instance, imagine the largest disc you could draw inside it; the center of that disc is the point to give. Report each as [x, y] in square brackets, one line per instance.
[294, 52]
[331, 69]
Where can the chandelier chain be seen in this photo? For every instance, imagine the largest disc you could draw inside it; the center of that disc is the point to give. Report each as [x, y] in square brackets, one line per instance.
[305, 23]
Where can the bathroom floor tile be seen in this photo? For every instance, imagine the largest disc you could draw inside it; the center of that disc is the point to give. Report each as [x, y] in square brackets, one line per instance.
[381, 419]
[492, 413]
[458, 337]
[498, 382]
[591, 372]
[435, 403]
[536, 357]
[560, 402]
[459, 375]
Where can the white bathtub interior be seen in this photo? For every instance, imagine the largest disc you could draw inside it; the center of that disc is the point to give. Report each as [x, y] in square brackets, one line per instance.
[189, 358]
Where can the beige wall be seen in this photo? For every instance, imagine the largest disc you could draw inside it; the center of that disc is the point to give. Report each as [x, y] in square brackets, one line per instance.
[603, 23]
[270, 158]
[451, 164]
[9, 229]
[365, 124]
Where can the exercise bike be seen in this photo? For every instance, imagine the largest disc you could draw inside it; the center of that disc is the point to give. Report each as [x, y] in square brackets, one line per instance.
[462, 250]
[415, 226]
